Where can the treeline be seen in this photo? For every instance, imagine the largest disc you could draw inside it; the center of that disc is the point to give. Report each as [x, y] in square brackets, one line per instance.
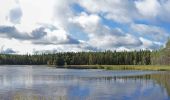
[161, 57]
[142, 57]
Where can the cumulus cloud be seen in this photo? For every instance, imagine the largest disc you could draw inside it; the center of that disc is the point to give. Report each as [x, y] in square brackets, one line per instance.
[153, 32]
[38, 35]
[112, 41]
[148, 44]
[12, 32]
[101, 36]
[148, 8]
[57, 37]
[154, 9]
[130, 10]
[98, 25]
[116, 10]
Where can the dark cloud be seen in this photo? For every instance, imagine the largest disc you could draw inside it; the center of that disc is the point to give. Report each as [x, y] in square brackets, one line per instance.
[70, 40]
[128, 43]
[38, 33]
[12, 32]
[8, 51]
[36, 36]
[15, 15]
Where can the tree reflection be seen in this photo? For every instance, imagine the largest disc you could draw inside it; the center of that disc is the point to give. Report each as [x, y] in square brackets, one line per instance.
[163, 79]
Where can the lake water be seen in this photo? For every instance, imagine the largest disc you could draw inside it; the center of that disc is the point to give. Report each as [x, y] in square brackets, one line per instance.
[45, 83]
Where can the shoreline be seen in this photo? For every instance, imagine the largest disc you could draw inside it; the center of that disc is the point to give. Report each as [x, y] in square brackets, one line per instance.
[119, 67]
[109, 67]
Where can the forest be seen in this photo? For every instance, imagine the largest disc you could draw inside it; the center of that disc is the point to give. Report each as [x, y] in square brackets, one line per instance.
[142, 57]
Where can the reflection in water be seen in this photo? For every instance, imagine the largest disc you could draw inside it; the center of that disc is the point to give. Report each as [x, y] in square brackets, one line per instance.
[163, 79]
[36, 83]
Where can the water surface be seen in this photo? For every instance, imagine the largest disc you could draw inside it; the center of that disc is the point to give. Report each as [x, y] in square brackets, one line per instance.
[45, 83]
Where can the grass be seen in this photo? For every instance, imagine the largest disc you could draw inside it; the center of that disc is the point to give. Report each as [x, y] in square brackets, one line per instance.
[122, 67]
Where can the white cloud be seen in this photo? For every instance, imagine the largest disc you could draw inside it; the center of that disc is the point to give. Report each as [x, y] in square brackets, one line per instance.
[148, 44]
[154, 32]
[40, 35]
[88, 23]
[56, 37]
[154, 10]
[113, 41]
[126, 11]
[65, 48]
[148, 8]
[116, 10]
[85, 20]
[20, 47]
[24, 47]
[101, 36]
[39, 11]
[62, 13]
[54, 23]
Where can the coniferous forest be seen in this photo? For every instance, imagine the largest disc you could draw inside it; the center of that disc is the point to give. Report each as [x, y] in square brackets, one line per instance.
[142, 57]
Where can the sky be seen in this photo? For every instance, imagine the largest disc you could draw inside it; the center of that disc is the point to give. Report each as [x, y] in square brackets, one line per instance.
[49, 26]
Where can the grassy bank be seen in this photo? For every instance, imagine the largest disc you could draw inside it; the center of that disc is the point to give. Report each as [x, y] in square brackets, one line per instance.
[122, 67]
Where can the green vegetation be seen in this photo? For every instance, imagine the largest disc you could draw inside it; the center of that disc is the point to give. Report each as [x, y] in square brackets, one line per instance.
[122, 67]
[161, 57]
[97, 60]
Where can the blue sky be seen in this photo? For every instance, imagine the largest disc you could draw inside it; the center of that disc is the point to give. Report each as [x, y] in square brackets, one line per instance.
[28, 26]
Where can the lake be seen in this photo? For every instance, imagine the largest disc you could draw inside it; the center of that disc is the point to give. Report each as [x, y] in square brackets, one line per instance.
[45, 83]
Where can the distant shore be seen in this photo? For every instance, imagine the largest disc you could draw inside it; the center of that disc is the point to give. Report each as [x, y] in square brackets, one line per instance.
[119, 67]
[109, 67]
